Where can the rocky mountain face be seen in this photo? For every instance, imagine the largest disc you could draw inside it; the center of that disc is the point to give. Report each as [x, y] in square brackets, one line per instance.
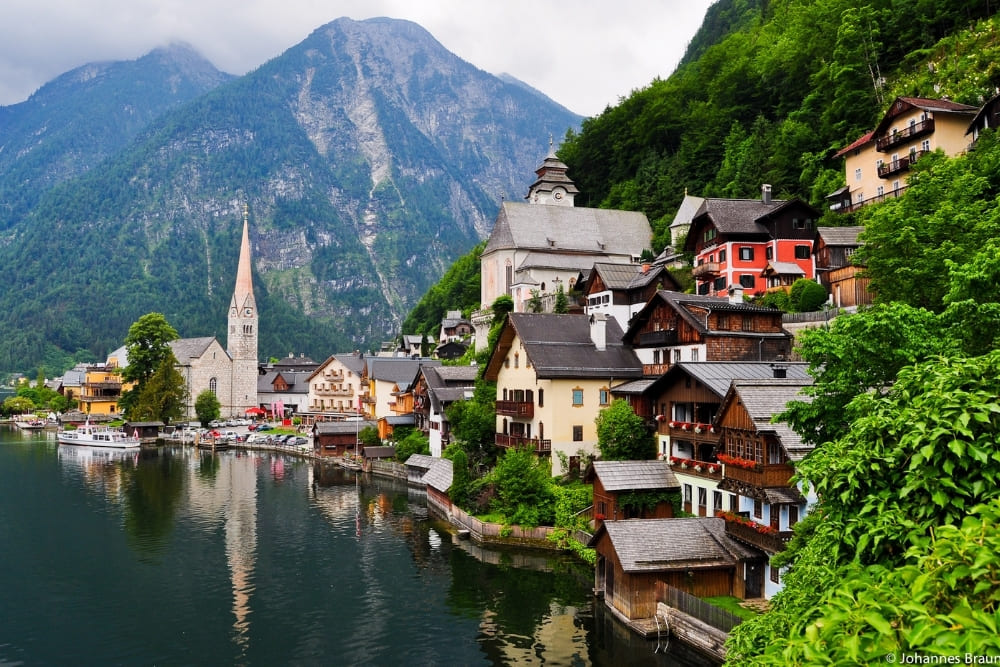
[370, 158]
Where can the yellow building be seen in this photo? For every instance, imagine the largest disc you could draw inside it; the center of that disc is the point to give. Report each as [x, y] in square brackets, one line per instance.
[101, 389]
[877, 165]
[554, 374]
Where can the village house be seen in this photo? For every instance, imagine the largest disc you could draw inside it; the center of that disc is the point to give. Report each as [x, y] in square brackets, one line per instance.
[543, 245]
[621, 290]
[554, 374]
[877, 164]
[453, 349]
[284, 392]
[758, 458]
[637, 556]
[844, 282]
[675, 327]
[454, 327]
[100, 390]
[434, 474]
[751, 244]
[987, 118]
[433, 390]
[335, 387]
[337, 438]
[617, 482]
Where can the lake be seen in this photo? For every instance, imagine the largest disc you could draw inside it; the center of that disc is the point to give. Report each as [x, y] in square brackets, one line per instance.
[174, 556]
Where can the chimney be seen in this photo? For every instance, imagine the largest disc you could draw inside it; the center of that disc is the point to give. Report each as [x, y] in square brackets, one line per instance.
[735, 294]
[599, 330]
[765, 193]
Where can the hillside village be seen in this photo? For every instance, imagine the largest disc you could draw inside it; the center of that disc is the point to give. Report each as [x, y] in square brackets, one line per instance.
[595, 319]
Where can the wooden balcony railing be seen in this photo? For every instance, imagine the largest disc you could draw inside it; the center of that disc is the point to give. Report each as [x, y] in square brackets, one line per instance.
[653, 338]
[655, 369]
[763, 477]
[905, 135]
[538, 446]
[770, 542]
[706, 270]
[887, 169]
[521, 409]
[346, 391]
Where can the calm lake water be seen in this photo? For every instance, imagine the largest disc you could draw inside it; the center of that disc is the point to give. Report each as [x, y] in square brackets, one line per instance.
[180, 557]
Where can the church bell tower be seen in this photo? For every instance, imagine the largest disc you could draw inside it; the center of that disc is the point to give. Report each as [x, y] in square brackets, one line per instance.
[241, 343]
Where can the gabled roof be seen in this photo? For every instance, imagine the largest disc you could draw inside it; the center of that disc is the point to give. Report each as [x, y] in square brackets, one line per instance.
[297, 381]
[865, 138]
[633, 475]
[743, 218]
[623, 277]
[398, 370]
[656, 545]
[687, 210]
[903, 104]
[340, 427]
[840, 236]
[438, 472]
[782, 269]
[763, 399]
[680, 303]
[717, 376]
[560, 346]
[569, 229]
[185, 349]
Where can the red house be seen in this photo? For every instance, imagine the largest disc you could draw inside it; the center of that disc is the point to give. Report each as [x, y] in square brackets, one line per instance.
[751, 243]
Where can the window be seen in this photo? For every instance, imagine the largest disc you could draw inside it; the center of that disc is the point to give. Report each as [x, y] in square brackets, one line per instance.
[719, 283]
[802, 252]
[747, 280]
[694, 354]
[747, 323]
[704, 288]
[925, 145]
[769, 253]
[541, 398]
[702, 497]
[746, 254]
[605, 396]
[717, 501]
[722, 322]
[578, 397]
[517, 360]
[775, 576]
[578, 433]
[857, 174]
[758, 509]
[793, 515]
[880, 190]
[687, 493]
[677, 356]
[709, 234]
[212, 385]
[722, 256]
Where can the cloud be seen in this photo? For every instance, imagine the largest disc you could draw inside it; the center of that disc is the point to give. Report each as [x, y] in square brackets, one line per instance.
[585, 55]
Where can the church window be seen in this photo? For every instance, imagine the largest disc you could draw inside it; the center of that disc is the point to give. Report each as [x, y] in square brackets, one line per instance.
[212, 385]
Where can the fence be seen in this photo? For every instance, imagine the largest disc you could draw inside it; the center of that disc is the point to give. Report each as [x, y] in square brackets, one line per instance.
[388, 469]
[698, 608]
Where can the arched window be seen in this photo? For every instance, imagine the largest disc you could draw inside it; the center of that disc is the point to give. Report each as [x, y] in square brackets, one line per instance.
[212, 384]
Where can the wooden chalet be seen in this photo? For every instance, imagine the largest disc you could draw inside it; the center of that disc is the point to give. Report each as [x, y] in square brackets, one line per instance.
[435, 475]
[675, 327]
[337, 438]
[613, 479]
[845, 282]
[693, 555]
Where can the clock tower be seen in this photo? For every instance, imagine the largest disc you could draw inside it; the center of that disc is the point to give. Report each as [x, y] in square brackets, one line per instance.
[241, 343]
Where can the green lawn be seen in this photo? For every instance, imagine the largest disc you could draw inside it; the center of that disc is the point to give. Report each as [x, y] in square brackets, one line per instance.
[732, 605]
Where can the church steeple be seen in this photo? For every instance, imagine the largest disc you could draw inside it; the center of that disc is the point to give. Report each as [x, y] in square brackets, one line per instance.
[241, 344]
[552, 186]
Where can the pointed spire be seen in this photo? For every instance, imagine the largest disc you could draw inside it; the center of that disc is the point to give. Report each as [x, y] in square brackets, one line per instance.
[244, 278]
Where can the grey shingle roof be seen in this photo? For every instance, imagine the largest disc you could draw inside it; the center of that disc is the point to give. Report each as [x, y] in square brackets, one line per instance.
[635, 475]
[569, 228]
[763, 400]
[784, 269]
[561, 346]
[680, 303]
[626, 276]
[352, 362]
[651, 545]
[340, 427]
[185, 349]
[439, 472]
[399, 370]
[840, 236]
[718, 375]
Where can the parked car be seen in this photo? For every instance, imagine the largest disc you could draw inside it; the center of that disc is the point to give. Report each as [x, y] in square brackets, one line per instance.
[265, 427]
[300, 441]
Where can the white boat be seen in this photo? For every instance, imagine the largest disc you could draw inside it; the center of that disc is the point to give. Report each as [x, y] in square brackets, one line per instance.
[91, 435]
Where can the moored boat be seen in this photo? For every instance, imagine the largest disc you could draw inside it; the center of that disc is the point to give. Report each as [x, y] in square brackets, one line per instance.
[92, 435]
[29, 422]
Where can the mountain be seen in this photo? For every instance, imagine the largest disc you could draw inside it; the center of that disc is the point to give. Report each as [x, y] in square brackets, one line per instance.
[77, 120]
[370, 158]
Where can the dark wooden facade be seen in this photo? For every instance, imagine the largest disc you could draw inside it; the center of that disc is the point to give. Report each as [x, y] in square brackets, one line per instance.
[608, 506]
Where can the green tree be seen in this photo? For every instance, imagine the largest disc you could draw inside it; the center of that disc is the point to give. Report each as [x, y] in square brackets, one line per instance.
[562, 301]
[523, 488]
[18, 405]
[460, 479]
[164, 396]
[410, 441]
[917, 461]
[207, 407]
[368, 436]
[147, 346]
[859, 353]
[535, 302]
[622, 435]
[807, 295]
[473, 427]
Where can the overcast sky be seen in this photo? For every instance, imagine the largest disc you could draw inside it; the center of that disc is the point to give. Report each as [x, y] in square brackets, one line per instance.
[584, 54]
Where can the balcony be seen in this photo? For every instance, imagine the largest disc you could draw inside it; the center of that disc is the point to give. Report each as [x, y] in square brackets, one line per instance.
[887, 169]
[655, 369]
[696, 468]
[772, 543]
[706, 270]
[370, 400]
[519, 409]
[326, 391]
[658, 338]
[907, 134]
[518, 442]
[763, 476]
